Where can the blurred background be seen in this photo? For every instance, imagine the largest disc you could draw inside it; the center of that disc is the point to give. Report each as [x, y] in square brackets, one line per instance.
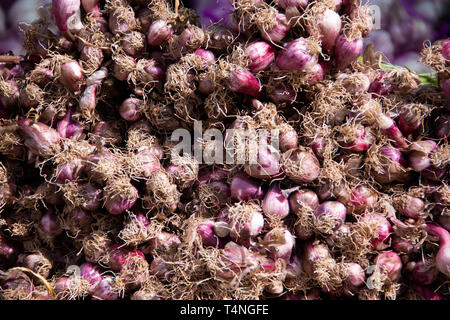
[405, 24]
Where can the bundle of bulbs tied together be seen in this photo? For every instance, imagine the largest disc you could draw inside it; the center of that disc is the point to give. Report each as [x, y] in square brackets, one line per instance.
[94, 205]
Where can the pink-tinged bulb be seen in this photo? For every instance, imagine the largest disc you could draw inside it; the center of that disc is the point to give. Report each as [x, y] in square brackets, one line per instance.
[312, 252]
[316, 73]
[72, 76]
[158, 33]
[329, 24]
[359, 199]
[67, 15]
[261, 55]
[288, 140]
[297, 56]
[318, 147]
[121, 73]
[245, 188]
[40, 139]
[355, 275]
[346, 51]
[129, 110]
[303, 199]
[383, 227]
[390, 263]
[117, 203]
[412, 207]
[207, 233]
[91, 6]
[207, 56]
[134, 43]
[301, 165]
[70, 170]
[242, 230]
[445, 51]
[330, 212]
[419, 154]
[104, 290]
[243, 81]
[92, 273]
[10, 100]
[279, 242]
[361, 140]
[92, 196]
[267, 165]
[442, 129]
[275, 204]
[192, 37]
[279, 30]
[442, 258]
[88, 100]
[402, 246]
[68, 128]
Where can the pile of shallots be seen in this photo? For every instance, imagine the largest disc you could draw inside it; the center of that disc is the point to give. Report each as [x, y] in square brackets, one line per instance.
[352, 203]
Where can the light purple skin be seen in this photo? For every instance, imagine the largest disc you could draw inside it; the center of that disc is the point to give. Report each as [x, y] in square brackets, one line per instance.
[153, 72]
[332, 209]
[88, 100]
[278, 32]
[275, 204]
[413, 207]
[394, 154]
[317, 73]
[50, 224]
[104, 290]
[420, 162]
[158, 32]
[362, 141]
[134, 50]
[330, 25]
[356, 276]
[267, 166]
[245, 188]
[281, 248]
[118, 204]
[82, 218]
[70, 170]
[68, 128]
[288, 140]
[40, 139]
[92, 273]
[310, 167]
[243, 231]
[282, 94]
[442, 259]
[303, 198]
[209, 238]
[92, 195]
[129, 110]
[261, 55]
[384, 230]
[347, 52]
[296, 56]
[446, 50]
[318, 147]
[313, 251]
[390, 262]
[207, 56]
[243, 81]
[63, 11]
[87, 53]
[72, 76]
[117, 25]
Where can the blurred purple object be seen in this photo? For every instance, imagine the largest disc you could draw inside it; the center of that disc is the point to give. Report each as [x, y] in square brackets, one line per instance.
[212, 11]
